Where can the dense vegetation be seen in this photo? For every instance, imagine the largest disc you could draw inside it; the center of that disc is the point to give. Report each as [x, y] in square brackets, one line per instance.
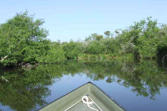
[23, 40]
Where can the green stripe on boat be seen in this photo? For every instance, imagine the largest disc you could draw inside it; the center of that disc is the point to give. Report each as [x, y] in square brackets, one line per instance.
[85, 98]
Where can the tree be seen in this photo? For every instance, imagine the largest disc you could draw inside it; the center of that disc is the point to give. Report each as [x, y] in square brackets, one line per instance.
[19, 35]
[54, 54]
[107, 33]
[95, 47]
[94, 36]
[72, 49]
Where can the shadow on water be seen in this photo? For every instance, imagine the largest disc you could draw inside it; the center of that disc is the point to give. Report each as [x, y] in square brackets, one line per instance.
[162, 56]
[26, 90]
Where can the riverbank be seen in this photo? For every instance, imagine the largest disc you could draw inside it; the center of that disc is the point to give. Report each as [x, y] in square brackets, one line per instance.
[142, 40]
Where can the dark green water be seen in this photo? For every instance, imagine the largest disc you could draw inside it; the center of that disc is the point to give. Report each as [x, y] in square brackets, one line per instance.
[136, 87]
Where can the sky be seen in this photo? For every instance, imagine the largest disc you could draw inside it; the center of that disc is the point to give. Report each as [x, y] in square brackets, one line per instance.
[76, 19]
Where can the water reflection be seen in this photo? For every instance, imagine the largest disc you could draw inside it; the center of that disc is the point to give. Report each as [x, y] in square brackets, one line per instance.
[28, 89]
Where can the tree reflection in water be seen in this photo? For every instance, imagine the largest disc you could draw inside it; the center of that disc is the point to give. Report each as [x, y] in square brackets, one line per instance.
[27, 89]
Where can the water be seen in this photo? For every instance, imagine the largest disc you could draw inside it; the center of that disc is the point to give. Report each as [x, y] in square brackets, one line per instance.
[136, 87]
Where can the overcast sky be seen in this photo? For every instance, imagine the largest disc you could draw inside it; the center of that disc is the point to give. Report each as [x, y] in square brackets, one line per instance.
[77, 19]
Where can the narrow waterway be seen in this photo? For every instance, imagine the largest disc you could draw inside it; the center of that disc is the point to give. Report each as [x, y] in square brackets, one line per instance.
[136, 87]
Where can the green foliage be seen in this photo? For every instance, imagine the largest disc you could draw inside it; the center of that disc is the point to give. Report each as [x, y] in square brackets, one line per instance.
[107, 33]
[55, 54]
[145, 37]
[94, 47]
[94, 36]
[72, 49]
[18, 37]
[111, 46]
[141, 39]
[23, 40]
